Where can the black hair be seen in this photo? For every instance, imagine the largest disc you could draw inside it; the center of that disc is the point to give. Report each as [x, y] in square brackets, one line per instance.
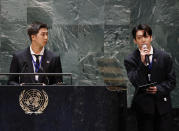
[34, 28]
[146, 28]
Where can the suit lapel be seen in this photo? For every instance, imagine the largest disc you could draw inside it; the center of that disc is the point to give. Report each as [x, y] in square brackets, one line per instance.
[137, 56]
[154, 65]
[29, 62]
[44, 63]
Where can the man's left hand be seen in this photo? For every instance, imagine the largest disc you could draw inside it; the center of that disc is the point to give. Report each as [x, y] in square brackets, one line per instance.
[152, 90]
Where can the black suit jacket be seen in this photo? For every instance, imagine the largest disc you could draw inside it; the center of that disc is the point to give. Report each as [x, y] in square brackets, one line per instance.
[22, 63]
[162, 72]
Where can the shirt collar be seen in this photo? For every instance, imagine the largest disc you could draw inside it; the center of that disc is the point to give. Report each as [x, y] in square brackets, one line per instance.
[151, 50]
[41, 53]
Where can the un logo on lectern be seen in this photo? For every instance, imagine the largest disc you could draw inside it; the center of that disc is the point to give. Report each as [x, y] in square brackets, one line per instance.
[33, 101]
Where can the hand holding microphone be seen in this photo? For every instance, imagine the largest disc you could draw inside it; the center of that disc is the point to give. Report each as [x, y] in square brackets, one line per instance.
[145, 54]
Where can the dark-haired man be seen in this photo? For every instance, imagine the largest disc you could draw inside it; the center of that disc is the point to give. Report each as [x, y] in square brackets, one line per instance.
[36, 59]
[147, 65]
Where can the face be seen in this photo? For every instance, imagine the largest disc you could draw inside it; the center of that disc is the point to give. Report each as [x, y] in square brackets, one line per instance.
[141, 39]
[41, 38]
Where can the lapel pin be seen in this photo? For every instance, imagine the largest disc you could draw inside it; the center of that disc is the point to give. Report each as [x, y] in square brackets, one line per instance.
[48, 62]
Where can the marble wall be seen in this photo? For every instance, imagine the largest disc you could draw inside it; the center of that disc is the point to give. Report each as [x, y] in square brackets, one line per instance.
[91, 36]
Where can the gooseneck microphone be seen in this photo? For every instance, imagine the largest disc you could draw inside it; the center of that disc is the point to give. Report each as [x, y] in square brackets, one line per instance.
[41, 70]
[24, 68]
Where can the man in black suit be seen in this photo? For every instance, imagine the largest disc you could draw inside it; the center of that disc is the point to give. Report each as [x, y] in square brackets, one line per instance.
[36, 59]
[147, 65]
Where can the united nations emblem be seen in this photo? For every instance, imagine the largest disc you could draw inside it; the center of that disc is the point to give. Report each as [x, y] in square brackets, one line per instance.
[33, 101]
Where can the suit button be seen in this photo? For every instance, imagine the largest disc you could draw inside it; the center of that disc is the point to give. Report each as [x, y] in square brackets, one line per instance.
[165, 99]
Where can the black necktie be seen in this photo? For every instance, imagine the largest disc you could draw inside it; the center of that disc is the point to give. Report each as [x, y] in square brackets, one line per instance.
[37, 61]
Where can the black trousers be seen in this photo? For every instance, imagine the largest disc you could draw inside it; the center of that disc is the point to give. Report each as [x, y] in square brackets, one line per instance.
[154, 122]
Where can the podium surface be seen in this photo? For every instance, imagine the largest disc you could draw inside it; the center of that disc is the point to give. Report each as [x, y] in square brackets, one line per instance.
[62, 108]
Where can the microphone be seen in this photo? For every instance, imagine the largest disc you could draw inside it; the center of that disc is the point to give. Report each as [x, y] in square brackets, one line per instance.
[147, 60]
[24, 68]
[42, 71]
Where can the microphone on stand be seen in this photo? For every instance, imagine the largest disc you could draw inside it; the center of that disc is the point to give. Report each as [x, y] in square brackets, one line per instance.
[46, 77]
[24, 68]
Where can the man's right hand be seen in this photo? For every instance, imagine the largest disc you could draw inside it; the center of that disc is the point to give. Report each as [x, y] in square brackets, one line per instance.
[143, 52]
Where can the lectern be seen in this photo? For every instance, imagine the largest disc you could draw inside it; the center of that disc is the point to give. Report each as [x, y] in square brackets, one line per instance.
[62, 108]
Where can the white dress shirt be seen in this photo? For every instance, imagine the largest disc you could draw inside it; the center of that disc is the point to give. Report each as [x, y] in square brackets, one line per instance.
[34, 58]
[151, 55]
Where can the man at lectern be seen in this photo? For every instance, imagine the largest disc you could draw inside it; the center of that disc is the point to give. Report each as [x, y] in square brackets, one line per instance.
[151, 73]
[36, 59]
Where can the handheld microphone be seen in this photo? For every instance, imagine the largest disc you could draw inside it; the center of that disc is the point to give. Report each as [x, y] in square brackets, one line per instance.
[147, 61]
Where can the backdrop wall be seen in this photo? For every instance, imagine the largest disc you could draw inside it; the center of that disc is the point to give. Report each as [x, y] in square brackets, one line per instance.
[91, 36]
